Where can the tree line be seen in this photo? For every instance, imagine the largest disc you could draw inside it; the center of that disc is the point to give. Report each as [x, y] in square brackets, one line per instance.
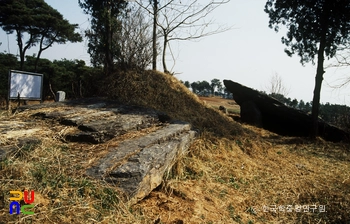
[204, 88]
[131, 34]
[120, 37]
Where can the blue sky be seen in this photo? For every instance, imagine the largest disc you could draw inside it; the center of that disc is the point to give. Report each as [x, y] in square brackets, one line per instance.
[250, 53]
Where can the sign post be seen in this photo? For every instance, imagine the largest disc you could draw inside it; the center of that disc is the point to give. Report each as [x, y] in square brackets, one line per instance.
[25, 85]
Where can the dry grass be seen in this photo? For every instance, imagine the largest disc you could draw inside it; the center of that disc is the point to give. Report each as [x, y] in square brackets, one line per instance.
[56, 172]
[231, 106]
[225, 181]
[165, 93]
[231, 173]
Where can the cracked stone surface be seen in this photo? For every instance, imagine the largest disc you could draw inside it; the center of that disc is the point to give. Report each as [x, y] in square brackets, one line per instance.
[135, 166]
[97, 125]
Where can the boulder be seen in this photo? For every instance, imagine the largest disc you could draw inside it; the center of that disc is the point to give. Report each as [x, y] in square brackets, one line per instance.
[261, 110]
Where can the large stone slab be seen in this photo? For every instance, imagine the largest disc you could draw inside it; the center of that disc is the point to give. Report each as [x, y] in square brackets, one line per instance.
[261, 110]
[137, 166]
[96, 125]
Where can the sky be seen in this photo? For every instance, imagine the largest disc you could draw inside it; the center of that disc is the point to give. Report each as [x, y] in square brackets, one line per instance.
[250, 53]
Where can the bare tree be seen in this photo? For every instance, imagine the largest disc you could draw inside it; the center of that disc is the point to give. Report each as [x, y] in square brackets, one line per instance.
[154, 35]
[276, 85]
[135, 40]
[342, 59]
[153, 9]
[183, 20]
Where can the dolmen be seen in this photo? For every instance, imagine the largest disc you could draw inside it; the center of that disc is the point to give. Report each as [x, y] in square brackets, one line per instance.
[260, 110]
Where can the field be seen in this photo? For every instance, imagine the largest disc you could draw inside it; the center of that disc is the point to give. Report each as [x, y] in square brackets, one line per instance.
[215, 102]
[234, 173]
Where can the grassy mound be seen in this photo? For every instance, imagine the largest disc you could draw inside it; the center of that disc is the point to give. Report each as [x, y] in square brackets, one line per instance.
[166, 94]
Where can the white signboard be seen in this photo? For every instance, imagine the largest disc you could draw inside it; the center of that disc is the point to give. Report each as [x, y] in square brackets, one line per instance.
[27, 85]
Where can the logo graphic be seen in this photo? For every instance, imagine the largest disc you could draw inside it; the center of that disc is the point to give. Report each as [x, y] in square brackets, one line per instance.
[24, 208]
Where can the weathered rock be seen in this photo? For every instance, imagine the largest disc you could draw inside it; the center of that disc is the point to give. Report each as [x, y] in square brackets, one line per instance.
[100, 125]
[250, 113]
[28, 141]
[264, 111]
[60, 96]
[137, 166]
